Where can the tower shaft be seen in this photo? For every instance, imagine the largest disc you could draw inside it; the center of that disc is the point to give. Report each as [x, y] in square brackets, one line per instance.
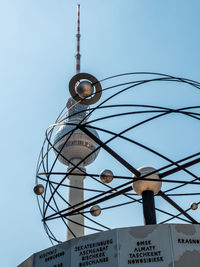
[76, 196]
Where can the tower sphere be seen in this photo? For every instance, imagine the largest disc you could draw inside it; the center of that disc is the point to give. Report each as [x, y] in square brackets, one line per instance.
[75, 144]
[194, 206]
[106, 176]
[84, 89]
[144, 185]
[38, 189]
[95, 211]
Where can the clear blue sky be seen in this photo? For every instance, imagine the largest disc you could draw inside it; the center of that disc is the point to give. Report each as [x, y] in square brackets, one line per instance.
[37, 51]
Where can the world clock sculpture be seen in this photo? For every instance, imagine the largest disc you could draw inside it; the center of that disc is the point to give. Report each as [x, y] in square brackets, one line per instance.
[123, 148]
[74, 141]
[117, 138]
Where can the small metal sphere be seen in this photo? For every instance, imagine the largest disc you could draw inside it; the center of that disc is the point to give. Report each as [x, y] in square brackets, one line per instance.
[96, 86]
[95, 211]
[144, 185]
[38, 189]
[106, 176]
[194, 206]
[84, 89]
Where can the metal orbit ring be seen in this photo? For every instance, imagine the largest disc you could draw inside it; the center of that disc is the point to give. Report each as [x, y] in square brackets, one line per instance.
[95, 83]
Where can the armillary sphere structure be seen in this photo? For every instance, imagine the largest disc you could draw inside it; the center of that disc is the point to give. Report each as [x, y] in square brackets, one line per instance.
[123, 149]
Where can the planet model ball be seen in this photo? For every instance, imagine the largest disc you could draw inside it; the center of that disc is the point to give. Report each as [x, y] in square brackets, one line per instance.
[139, 186]
[38, 189]
[106, 176]
[95, 211]
[84, 89]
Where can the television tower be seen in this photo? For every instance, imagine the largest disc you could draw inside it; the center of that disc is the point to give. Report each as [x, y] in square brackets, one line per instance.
[73, 145]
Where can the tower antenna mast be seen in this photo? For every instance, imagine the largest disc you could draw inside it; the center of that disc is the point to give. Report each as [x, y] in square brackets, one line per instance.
[78, 55]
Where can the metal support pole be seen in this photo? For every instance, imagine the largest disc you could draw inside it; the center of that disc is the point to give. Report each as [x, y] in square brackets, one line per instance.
[149, 207]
